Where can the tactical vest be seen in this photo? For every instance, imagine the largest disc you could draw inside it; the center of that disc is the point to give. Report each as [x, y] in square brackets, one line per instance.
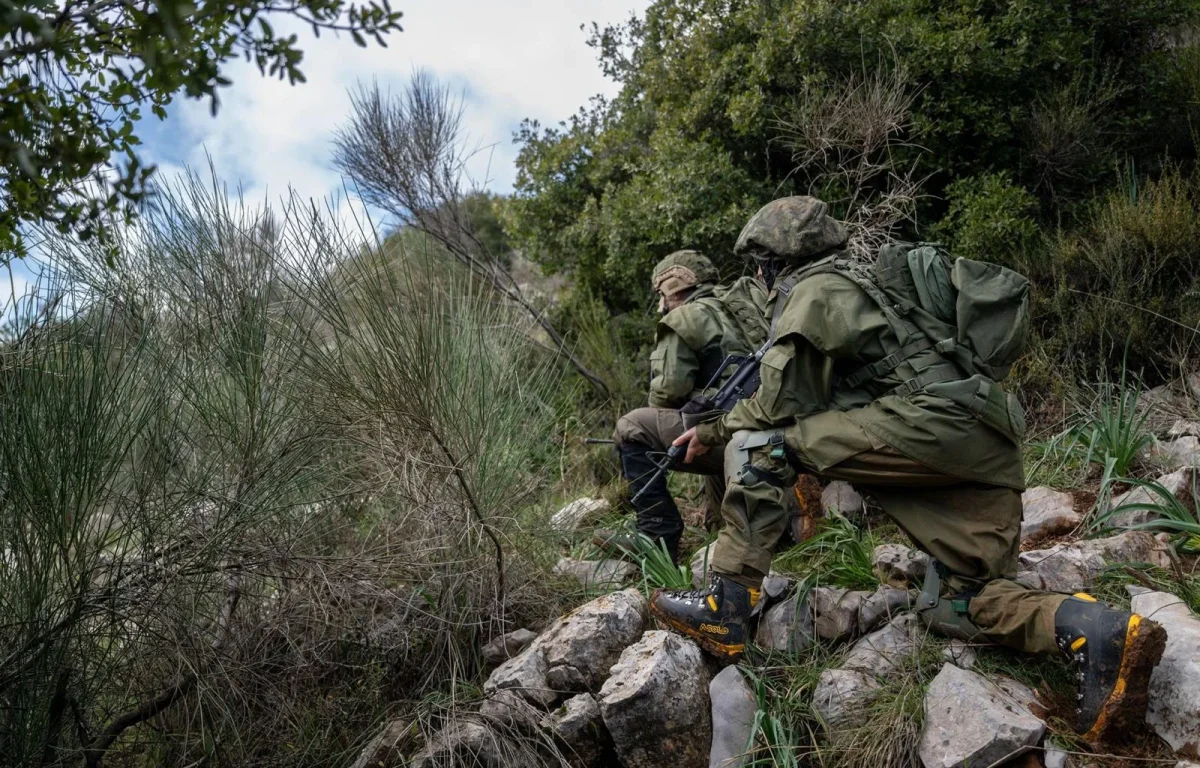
[913, 361]
[740, 307]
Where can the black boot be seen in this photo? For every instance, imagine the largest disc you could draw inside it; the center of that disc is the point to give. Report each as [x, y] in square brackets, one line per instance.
[714, 617]
[657, 515]
[1114, 653]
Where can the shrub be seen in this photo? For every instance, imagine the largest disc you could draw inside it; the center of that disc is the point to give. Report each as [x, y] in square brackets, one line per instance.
[1126, 284]
[989, 218]
[262, 485]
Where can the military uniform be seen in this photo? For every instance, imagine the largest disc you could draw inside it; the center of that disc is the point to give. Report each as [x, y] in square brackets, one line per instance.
[849, 391]
[949, 480]
[692, 340]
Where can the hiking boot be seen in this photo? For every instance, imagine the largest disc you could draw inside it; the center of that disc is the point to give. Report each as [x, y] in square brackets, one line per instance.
[714, 617]
[1114, 653]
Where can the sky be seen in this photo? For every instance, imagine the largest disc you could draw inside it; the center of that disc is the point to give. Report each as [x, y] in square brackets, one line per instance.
[509, 61]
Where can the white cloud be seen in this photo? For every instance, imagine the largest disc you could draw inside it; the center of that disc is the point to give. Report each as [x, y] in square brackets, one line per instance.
[511, 60]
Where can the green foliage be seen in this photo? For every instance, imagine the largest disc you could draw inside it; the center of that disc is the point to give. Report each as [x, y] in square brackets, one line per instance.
[1174, 514]
[658, 568]
[1126, 284]
[884, 732]
[1109, 430]
[280, 481]
[1047, 93]
[988, 218]
[75, 77]
[839, 555]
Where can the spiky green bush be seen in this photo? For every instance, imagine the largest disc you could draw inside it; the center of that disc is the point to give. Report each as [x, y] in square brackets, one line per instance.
[263, 485]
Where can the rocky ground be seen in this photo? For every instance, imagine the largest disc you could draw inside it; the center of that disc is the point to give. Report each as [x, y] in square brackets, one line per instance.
[602, 686]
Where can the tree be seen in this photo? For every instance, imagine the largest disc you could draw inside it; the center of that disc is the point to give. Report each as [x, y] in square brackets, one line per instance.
[725, 104]
[75, 76]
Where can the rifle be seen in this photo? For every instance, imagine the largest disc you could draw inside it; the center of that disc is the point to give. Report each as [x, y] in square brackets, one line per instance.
[742, 384]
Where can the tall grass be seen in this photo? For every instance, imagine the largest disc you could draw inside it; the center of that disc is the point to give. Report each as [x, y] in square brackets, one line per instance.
[264, 483]
[1109, 429]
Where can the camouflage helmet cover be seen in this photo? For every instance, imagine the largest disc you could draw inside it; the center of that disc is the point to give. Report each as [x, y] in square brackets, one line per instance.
[682, 270]
[793, 228]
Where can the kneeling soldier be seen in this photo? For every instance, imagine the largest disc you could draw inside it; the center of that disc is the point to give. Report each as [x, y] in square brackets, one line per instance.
[852, 390]
[702, 323]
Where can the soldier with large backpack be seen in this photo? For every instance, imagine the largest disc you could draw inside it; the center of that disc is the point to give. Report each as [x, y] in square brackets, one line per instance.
[888, 377]
[701, 325]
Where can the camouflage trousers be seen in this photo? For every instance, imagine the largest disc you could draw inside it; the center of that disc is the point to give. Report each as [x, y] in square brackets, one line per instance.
[971, 528]
[656, 429]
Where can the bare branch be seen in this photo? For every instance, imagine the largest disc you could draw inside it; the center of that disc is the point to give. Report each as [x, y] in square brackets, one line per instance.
[407, 155]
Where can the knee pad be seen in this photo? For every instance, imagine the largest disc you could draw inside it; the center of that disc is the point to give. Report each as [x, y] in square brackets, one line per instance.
[949, 615]
[737, 455]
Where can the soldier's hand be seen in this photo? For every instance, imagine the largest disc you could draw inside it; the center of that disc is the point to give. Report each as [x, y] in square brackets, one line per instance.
[694, 446]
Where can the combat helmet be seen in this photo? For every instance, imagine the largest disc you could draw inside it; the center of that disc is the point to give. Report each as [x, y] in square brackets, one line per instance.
[790, 230]
[680, 271]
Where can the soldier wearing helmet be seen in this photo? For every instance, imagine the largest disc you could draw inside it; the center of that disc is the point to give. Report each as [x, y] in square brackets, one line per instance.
[696, 332]
[851, 389]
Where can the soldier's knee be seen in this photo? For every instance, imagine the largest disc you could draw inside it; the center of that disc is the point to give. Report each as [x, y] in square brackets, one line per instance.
[631, 428]
[741, 465]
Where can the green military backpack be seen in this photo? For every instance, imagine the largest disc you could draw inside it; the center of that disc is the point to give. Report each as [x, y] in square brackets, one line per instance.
[978, 311]
[746, 301]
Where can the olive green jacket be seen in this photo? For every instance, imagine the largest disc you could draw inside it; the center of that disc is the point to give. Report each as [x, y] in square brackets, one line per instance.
[692, 340]
[829, 326]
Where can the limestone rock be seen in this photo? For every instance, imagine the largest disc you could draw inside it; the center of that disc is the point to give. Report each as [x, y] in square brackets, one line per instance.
[1054, 757]
[597, 574]
[501, 649]
[1072, 567]
[655, 704]
[575, 652]
[387, 749]
[577, 513]
[1047, 512]
[466, 742]
[1174, 701]
[1020, 693]
[700, 562]
[841, 692]
[1184, 428]
[524, 674]
[1178, 483]
[961, 654]
[579, 648]
[841, 498]
[970, 722]
[1178, 453]
[510, 707]
[786, 626]
[579, 730]
[734, 706]
[882, 652]
[882, 605]
[899, 566]
[776, 586]
[835, 611]
[1187, 764]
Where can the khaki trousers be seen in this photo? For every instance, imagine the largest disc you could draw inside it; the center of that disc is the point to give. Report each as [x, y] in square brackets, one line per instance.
[656, 429]
[971, 528]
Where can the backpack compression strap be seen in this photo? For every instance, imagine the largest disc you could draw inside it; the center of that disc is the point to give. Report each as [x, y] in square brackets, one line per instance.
[910, 340]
